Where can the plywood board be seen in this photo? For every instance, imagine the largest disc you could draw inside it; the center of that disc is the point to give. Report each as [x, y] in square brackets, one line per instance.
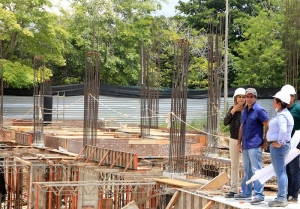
[217, 182]
[178, 183]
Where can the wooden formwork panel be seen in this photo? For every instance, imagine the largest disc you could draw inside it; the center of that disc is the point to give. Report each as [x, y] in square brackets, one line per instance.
[24, 138]
[189, 200]
[74, 146]
[56, 142]
[111, 157]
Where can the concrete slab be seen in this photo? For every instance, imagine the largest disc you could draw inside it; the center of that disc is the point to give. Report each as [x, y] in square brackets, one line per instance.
[246, 203]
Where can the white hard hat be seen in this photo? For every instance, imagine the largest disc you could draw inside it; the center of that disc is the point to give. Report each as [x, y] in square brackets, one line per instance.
[239, 91]
[288, 89]
[283, 96]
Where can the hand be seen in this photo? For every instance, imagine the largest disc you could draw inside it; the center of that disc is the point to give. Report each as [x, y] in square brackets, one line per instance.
[239, 146]
[264, 146]
[276, 145]
[236, 108]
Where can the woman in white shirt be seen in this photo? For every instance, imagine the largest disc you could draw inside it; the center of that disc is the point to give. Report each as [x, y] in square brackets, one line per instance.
[279, 136]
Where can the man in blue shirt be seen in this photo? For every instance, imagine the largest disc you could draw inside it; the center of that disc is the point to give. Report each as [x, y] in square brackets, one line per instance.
[251, 142]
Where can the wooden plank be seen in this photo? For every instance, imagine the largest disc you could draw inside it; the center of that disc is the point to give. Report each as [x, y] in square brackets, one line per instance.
[80, 152]
[128, 164]
[178, 183]
[209, 204]
[217, 182]
[173, 200]
[114, 162]
[103, 158]
[88, 158]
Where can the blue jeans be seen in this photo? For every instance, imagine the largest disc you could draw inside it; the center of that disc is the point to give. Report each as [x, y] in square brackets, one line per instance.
[252, 161]
[277, 157]
[293, 173]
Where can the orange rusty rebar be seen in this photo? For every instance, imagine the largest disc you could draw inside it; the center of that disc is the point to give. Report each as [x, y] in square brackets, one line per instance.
[50, 191]
[116, 197]
[12, 189]
[76, 196]
[29, 188]
[127, 194]
[9, 188]
[58, 178]
[37, 189]
[100, 197]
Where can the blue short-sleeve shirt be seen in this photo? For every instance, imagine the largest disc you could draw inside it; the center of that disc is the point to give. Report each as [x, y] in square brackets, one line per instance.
[252, 129]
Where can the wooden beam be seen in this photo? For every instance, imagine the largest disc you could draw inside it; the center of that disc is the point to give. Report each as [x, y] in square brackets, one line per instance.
[209, 204]
[178, 183]
[217, 182]
[23, 161]
[114, 162]
[80, 152]
[103, 158]
[173, 200]
[88, 158]
[130, 162]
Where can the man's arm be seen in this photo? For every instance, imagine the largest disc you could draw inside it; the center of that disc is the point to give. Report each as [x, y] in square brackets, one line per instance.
[239, 145]
[266, 128]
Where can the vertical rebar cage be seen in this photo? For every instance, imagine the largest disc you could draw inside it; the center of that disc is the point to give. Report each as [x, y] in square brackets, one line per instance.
[292, 35]
[150, 69]
[38, 100]
[214, 90]
[150, 82]
[179, 106]
[1, 92]
[91, 98]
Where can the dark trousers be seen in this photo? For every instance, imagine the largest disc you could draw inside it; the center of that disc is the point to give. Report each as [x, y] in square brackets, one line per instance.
[293, 173]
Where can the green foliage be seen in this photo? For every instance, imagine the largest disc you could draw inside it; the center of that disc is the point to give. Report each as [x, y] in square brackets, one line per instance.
[27, 30]
[18, 75]
[117, 29]
[261, 55]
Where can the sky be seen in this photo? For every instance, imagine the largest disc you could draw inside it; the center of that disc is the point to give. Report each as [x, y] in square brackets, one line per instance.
[168, 8]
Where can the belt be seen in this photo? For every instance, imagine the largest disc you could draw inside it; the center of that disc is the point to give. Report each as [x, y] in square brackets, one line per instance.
[276, 141]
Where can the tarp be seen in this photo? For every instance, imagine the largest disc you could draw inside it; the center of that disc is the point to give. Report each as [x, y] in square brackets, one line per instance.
[132, 91]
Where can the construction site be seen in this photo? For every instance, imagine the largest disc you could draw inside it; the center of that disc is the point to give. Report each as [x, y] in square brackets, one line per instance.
[48, 162]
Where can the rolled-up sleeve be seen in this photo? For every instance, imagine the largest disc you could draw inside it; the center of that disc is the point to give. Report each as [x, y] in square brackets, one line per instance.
[282, 123]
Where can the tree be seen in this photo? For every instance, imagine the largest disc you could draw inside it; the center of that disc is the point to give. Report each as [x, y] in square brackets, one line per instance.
[261, 54]
[199, 14]
[114, 29]
[26, 30]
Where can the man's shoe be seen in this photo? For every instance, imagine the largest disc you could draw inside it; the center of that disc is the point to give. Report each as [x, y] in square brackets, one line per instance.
[229, 195]
[292, 200]
[276, 203]
[241, 197]
[256, 201]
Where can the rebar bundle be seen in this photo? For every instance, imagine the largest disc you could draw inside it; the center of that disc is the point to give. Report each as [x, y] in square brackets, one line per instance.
[214, 90]
[292, 36]
[38, 100]
[179, 106]
[1, 93]
[91, 98]
[149, 79]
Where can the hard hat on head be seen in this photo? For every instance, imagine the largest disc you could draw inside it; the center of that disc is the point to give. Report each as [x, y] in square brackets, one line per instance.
[283, 96]
[289, 89]
[239, 91]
